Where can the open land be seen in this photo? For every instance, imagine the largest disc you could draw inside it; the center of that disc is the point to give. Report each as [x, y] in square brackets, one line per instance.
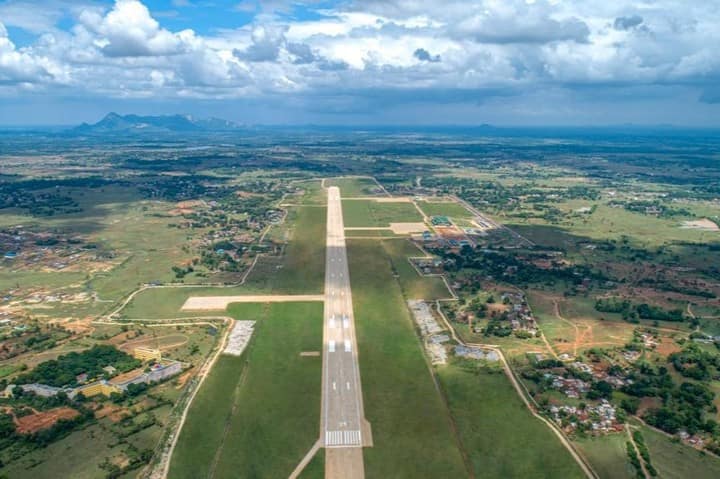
[590, 266]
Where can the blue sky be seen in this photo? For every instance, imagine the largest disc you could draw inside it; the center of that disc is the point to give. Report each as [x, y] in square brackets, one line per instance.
[506, 62]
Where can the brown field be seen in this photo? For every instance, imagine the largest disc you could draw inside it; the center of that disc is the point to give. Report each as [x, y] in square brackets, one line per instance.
[667, 346]
[43, 420]
[572, 334]
[703, 224]
[111, 411]
[407, 228]
[183, 378]
[79, 326]
[449, 231]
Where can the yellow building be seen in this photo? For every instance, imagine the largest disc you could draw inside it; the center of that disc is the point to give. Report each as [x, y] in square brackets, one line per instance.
[99, 387]
[147, 354]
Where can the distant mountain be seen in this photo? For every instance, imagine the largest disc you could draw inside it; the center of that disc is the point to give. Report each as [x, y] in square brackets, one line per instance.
[130, 124]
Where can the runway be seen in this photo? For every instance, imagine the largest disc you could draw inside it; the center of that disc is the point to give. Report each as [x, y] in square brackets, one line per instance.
[343, 429]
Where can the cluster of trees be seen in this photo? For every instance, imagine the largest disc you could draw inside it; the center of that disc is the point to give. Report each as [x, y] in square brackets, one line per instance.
[43, 437]
[684, 406]
[632, 312]
[663, 210]
[500, 265]
[497, 327]
[62, 371]
[692, 362]
[43, 197]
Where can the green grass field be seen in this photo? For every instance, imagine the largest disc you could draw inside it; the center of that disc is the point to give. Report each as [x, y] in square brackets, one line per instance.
[413, 285]
[300, 270]
[302, 267]
[352, 187]
[497, 431]
[119, 220]
[258, 414]
[611, 223]
[77, 456]
[410, 426]
[607, 456]
[313, 193]
[363, 234]
[369, 213]
[316, 468]
[164, 303]
[445, 208]
[674, 460]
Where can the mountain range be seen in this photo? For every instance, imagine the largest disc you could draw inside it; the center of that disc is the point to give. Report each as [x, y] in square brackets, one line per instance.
[132, 124]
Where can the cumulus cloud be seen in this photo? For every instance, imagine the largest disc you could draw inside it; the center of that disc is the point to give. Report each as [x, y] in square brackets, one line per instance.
[265, 46]
[530, 29]
[509, 46]
[425, 56]
[627, 23]
[128, 30]
[19, 67]
[301, 52]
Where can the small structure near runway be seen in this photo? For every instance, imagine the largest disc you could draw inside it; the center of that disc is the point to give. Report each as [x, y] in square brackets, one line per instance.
[473, 352]
[239, 337]
[429, 329]
[423, 317]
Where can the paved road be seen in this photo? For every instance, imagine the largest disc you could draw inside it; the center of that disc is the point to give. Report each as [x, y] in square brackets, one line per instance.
[343, 429]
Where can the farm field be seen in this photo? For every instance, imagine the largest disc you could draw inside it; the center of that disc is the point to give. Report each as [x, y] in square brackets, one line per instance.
[246, 417]
[498, 433]
[369, 213]
[410, 427]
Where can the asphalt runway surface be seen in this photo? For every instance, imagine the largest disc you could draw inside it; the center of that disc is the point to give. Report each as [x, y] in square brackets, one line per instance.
[343, 428]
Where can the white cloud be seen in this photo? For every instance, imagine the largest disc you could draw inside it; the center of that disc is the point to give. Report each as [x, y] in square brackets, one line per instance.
[128, 30]
[20, 67]
[489, 45]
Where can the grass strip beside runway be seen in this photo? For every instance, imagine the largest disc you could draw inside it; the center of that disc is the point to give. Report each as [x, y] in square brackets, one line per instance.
[257, 415]
[411, 432]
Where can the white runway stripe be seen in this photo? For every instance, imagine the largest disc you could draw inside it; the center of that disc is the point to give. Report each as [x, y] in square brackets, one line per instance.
[342, 438]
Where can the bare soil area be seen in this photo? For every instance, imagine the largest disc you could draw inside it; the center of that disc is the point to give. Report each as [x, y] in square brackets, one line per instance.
[43, 420]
